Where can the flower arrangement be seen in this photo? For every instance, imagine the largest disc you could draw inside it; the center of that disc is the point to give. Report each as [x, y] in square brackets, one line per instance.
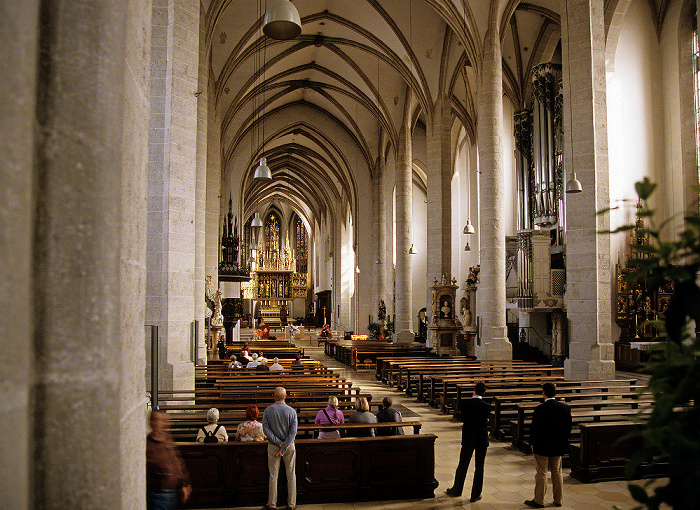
[325, 332]
[258, 334]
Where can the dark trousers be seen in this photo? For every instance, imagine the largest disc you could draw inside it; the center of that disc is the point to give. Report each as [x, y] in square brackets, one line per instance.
[465, 456]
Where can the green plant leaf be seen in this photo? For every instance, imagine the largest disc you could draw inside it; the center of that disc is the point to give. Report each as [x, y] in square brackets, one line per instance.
[644, 188]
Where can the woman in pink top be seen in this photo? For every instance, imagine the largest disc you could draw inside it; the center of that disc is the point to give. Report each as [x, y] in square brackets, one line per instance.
[330, 415]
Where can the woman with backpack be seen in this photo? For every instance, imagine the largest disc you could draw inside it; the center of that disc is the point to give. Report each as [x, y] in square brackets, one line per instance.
[212, 432]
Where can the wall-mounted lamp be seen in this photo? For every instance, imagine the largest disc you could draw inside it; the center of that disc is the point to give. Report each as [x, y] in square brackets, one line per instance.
[412, 250]
[573, 185]
[357, 269]
[282, 20]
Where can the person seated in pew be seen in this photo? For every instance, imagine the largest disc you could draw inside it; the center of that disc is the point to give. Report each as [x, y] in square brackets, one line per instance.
[330, 416]
[263, 366]
[276, 367]
[262, 358]
[362, 414]
[251, 429]
[389, 414]
[254, 362]
[234, 362]
[245, 352]
[212, 432]
[297, 363]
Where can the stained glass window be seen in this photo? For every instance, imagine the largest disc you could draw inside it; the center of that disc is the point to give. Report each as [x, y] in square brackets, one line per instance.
[302, 240]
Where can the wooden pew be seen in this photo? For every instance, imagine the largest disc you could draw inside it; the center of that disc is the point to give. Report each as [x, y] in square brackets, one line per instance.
[603, 451]
[607, 410]
[505, 400]
[329, 470]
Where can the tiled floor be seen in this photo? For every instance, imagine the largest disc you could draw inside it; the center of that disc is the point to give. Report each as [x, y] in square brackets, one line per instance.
[509, 477]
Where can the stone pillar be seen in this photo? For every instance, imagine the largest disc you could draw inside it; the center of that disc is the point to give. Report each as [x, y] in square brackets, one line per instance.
[202, 99]
[213, 190]
[491, 296]
[404, 205]
[82, 192]
[18, 63]
[380, 228]
[172, 186]
[588, 293]
[440, 192]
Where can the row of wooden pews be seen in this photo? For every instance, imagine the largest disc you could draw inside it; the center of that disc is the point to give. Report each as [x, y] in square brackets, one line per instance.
[346, 469]
[515, 389]
[363, 354]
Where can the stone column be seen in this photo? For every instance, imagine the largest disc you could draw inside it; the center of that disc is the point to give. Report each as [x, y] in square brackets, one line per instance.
[202, 100]
[172, 186]
[18, 89]
[439, 193]
[588, 294]
[404, 199]
[380, 227]
[491, 296]
[87, 223]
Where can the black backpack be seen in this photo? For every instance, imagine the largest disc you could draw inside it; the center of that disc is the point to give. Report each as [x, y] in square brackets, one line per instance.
[210, 437]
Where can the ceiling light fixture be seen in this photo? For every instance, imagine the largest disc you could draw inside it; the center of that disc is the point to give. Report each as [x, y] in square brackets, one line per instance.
[469, 228]
[282, 21]
[412, 250]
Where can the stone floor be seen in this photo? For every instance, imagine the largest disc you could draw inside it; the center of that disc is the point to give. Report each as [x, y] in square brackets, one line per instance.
[509, 477]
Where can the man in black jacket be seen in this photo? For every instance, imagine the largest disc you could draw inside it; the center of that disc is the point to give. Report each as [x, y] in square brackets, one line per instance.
[475, 438]
[549, 437]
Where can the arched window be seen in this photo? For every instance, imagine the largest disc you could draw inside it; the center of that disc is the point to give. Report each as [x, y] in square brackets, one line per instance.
[302, 241]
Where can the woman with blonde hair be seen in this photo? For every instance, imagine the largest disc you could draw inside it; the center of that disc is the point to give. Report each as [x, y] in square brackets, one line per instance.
[330, 416]
[362, 414]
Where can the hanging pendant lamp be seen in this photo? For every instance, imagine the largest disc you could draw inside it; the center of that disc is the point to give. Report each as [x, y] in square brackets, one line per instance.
[256, 222]
[412, 250]
[573, 185]
[282, 20]
[469, 228]
[467, 247]
[262, 173]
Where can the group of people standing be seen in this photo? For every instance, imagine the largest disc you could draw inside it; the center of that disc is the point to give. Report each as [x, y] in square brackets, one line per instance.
[549, 438]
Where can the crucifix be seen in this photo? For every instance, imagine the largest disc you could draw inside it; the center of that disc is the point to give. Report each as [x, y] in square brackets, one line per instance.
[324, 314]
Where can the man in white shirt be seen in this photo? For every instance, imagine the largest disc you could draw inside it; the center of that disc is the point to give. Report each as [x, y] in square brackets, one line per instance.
[276, 367]
[253, 363]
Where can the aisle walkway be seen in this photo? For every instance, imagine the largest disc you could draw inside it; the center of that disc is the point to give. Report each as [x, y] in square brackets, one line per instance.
[509, 477]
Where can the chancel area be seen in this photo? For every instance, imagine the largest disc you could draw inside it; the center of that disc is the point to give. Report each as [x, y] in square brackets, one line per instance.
[434, 178]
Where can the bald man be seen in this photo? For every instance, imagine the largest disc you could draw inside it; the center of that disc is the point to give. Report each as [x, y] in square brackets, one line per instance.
[280, 426]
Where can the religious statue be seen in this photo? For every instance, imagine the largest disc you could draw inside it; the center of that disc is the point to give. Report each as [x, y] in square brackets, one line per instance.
[217, 319]
[208, 297]
[466, 313]
[287, 260]
[381, 315]
[446, 309]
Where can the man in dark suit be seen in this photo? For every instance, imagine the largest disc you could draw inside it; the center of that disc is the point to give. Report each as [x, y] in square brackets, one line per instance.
[549, 437]
[475, 438]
